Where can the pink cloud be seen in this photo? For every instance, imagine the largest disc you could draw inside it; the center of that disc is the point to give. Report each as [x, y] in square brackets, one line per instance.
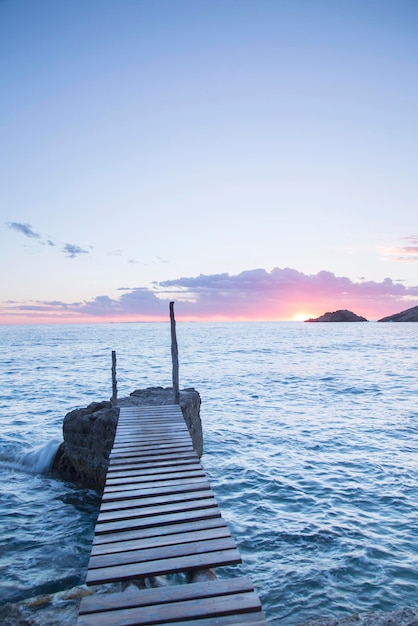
[251, 295]
[408, 253]
[278, 294]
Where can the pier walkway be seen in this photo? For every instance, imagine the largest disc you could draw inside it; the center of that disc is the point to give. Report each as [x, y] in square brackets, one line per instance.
[159, 516]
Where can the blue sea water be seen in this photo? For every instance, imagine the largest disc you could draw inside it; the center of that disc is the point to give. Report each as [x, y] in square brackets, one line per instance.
[311, 441]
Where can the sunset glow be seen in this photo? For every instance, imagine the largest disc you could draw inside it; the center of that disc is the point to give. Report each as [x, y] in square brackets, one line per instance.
[301, 317]
[253, 295]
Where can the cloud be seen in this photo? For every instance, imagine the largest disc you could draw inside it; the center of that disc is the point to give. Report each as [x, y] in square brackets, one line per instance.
[251, 295]
[406, 253]
[70, 250]
[259, 294]
[25, 229]
[73, 251]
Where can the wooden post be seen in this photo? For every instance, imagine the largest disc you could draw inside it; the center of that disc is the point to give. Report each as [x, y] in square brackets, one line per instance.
[114, 399]
[174, 356]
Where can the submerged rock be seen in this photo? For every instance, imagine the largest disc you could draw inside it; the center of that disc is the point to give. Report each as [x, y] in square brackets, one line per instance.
[409, 315]
[341, 315]
[83, 457]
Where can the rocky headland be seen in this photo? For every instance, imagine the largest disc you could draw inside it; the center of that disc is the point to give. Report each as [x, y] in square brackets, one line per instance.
[88, 433]
[409, 315]
[341, 315]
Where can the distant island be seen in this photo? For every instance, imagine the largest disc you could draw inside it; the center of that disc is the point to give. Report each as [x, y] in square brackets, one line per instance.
[343, 315]
[338, 316]
[409, 315]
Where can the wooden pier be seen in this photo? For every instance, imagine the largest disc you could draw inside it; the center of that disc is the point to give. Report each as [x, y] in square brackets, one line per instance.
[159, 516]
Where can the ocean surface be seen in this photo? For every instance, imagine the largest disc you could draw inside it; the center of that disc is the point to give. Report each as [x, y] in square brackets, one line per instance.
[311, 445]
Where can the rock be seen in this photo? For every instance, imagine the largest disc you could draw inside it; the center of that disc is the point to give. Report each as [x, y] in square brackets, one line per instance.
[201, 576]
[11, 616]
[338, 316]
[83, 457]
[409, 315]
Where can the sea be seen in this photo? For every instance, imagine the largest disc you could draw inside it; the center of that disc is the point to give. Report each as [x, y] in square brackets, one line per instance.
[310, 444]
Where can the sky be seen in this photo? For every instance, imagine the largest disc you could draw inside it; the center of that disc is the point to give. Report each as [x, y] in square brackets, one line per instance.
[247, 159]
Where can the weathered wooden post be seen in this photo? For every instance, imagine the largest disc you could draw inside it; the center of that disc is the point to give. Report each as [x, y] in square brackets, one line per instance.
[174, 356]
[114, 399]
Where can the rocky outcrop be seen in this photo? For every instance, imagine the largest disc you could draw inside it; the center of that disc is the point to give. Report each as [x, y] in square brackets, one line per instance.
[83, 457]
[88, 433]
[409, 315]
[338, 316]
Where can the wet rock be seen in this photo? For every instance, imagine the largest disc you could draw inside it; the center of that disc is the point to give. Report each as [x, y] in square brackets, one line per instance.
[83, 457]
[10, 615]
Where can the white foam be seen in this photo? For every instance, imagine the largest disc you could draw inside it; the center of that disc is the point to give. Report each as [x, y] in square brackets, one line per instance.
[39, 460]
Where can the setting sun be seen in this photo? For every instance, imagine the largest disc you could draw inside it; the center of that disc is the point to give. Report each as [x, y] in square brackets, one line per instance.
[301, 317]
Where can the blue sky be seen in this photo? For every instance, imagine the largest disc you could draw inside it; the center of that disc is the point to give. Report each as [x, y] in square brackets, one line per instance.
[148, 143]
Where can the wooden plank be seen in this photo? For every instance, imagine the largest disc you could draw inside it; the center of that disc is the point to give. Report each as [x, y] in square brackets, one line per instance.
[155, 553]
[162, 441]
[142, 471]
[163, 566]
[181, 469]
[149, 488]
[154, 476]
[134, 468]
[148, 408]
[164, 410]
[160, 509]
[130, 503]
[157, 458]
[135, 420]
[255, 618]
[152, 431]
[178, 467]
[154, 448]
[192, 525]
[120, 456]
[123, 442]
[160, 540]
[132, 437]
[165, 594]
[156, 520]
[218, 606]
[154, 426]
[154, 461]
[112, 499]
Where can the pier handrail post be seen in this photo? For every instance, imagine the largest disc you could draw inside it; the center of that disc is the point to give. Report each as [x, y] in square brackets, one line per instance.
[114, 399]
[174, 356]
